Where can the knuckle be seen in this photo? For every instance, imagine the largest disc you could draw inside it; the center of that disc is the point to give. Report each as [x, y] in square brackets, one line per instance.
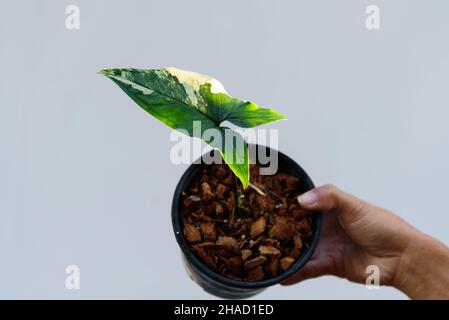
[330, 196]
[330, 188]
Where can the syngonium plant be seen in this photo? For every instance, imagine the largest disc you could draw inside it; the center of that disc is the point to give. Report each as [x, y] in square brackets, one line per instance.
[181, 98]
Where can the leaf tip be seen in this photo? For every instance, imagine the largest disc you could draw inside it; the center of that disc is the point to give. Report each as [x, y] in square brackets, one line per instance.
[109, 72]
[105, 72]
[278, 115]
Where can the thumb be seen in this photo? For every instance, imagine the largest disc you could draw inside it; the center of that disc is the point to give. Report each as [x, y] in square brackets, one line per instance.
[330, 198]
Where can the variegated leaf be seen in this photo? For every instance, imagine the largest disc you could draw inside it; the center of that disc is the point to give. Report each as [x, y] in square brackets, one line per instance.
[178, 98]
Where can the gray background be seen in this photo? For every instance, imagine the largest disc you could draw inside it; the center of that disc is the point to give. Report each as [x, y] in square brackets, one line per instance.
[85, 174]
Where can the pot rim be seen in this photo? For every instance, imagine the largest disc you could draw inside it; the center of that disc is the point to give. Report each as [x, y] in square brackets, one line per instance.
[186, 179]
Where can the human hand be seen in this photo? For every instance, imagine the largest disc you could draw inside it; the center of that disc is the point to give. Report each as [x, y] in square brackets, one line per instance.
[357, 234]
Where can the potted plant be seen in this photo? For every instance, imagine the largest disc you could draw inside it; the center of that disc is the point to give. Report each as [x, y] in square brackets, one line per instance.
[239, 231]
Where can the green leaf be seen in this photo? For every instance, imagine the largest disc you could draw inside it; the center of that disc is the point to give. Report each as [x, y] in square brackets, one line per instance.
[244, 114]
[178, 98]
[162, 95]
[234, 150]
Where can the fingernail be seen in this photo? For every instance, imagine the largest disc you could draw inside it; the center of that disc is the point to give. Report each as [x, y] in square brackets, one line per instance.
[307, 199]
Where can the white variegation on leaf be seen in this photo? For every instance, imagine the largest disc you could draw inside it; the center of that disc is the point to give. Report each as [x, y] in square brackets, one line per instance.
[178, 98]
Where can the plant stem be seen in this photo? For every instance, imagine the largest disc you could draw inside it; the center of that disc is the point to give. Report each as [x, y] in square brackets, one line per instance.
[237, 205]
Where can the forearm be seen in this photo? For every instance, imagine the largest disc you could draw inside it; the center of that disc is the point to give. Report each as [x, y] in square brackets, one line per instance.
[423, 272]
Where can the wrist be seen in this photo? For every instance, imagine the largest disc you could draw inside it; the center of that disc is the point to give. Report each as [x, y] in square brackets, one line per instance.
[423, 270]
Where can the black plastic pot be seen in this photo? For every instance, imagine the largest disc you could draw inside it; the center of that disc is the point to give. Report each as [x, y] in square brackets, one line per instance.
[213, 282]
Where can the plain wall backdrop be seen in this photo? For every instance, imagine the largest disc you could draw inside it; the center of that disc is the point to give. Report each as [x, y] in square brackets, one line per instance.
[85, 175]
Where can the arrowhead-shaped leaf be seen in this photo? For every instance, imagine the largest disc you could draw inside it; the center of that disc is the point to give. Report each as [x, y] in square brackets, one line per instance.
[178, 98]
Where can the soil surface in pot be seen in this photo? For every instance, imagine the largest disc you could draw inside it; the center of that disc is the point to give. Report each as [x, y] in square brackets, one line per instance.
[247, 235]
